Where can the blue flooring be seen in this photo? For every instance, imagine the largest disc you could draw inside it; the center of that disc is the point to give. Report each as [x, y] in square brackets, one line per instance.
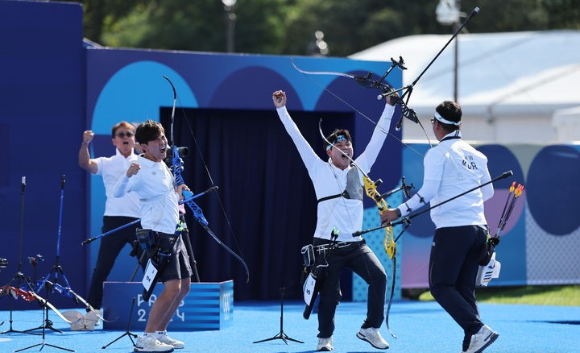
[420, 327]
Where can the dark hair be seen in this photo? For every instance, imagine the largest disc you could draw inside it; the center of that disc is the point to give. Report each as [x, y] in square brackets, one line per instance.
[148, 131]
[450, 111]
[333, 137]
[120, 125]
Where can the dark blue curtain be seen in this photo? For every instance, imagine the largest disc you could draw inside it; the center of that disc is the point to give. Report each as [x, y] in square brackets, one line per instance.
[264, 189]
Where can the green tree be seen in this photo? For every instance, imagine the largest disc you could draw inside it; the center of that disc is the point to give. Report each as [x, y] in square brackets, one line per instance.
[288, 26]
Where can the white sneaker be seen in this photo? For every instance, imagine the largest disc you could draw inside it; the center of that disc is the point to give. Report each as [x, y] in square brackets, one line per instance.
[150, 344]
[373, 336]
[163, 338]
[482, 339]
[324, 344]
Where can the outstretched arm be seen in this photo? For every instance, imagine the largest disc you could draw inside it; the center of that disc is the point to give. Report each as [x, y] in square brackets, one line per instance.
[369, 156]
[306, 152]
[431, 181]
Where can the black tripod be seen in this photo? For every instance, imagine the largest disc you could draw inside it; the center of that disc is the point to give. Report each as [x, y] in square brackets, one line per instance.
[19, 277]
[281, 335]
[128, 331]
[44, 305]
[47, 323]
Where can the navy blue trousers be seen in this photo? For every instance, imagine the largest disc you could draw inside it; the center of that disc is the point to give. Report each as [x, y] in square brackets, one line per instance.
[110, 248]
[453, 266]
[359, 258]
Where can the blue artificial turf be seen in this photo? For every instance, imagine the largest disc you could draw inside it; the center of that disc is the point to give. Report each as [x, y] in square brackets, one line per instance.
[419, 326]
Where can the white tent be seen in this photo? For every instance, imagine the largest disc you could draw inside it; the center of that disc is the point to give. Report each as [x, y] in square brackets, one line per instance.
[509, 84]
[566, 122]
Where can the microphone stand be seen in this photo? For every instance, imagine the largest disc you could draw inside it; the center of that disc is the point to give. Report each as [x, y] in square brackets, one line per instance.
[128, 331]
[19, 276]
[44, 305]
[46, 322]
[281, 335]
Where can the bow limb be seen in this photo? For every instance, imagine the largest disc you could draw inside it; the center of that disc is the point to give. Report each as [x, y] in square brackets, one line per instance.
[177, 169]
[326, 73]
[44, 302]
[391, 295]
[371, 191]
[197, 211]
[200, 218]
[367, 82]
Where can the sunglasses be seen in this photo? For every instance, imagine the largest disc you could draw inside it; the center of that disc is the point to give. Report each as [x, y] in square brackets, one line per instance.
[123, 134]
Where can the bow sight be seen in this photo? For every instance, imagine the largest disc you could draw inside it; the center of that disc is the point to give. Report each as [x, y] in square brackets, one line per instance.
[3, 263]
[181, 152]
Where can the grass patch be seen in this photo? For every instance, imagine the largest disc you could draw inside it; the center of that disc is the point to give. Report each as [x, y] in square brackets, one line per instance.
[531, 295]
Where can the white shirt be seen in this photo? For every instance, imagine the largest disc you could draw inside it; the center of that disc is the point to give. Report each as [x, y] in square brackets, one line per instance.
[111, 169]
[453, 167]
[159, 201]
[344, 215]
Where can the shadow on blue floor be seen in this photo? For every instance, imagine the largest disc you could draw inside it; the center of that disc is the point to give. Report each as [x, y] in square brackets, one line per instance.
[420, 327]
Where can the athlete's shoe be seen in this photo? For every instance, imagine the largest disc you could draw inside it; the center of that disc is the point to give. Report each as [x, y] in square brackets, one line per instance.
[324, 344]
[373, 336]
[149, 343]
[482, 339]
[163, 338]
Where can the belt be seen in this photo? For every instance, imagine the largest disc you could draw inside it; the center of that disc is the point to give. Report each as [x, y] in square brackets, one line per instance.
[329, 246]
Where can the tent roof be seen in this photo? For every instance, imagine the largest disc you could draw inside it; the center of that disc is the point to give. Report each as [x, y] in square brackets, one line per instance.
[500, 74]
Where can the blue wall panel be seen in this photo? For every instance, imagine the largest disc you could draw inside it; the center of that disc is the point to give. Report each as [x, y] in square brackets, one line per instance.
[42, 115]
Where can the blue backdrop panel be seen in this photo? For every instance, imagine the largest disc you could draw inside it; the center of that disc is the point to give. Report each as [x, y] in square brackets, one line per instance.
[42, 109]
[207, 306]
[552, 222]
[541, 240]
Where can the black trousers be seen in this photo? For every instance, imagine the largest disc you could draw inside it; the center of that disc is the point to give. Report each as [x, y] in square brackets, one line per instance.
[359, 258]
[111, 246]
[453, 269]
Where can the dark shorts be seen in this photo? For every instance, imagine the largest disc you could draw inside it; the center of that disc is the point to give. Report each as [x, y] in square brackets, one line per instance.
[178, 266]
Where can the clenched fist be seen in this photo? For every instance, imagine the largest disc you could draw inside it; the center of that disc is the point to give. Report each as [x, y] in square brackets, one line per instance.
[279, 98]
[133, 169]
[88, 136]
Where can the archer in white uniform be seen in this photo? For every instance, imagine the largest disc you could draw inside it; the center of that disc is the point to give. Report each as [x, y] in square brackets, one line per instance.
[451, 168]
[339, 190]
